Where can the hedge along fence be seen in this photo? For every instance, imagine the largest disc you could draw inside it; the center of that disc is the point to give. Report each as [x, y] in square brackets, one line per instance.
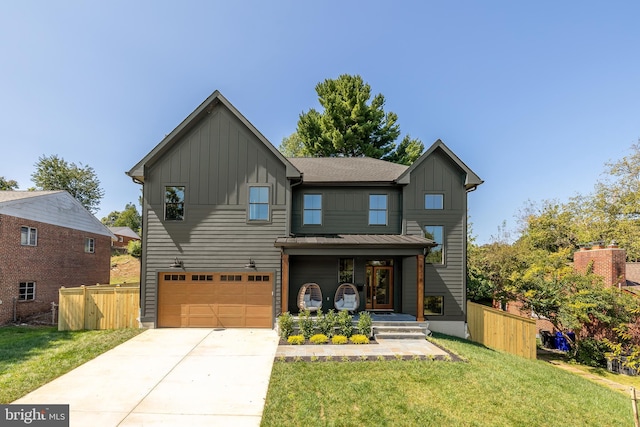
[99, 307]
[502, 331]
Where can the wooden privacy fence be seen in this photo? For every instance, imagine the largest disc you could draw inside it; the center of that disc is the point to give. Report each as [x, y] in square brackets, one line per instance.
[99, 307]
[502, 331]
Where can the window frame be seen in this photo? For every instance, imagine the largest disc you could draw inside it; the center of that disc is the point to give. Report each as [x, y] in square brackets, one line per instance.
[183, 202]
[344, 272]
[31, 235]
[377, 210]
[427, 207]
[267, 203]
[29, 290]
[433, 313]
[311, 209]
[441, 245]
[89, 245]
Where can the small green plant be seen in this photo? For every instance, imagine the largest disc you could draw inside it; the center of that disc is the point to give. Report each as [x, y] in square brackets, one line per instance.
[314, 358]
[339, 339]
[345, 323]
[285, 325]
[296, 339]
[319, 339]
[326, 322]
[134, 248]
[359, 339]
[306, 324]
[365, 323]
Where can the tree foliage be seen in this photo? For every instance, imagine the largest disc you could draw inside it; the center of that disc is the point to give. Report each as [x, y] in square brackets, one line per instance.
[8, 185]
[54, 173]
[292, 146]
[129, 217]
[352, 124]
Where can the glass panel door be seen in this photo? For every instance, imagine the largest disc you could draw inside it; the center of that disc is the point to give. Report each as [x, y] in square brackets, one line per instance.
[379, 288]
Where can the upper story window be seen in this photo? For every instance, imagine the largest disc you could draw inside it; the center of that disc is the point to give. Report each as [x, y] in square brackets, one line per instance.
[436, 253]
[312, 209]
[174, 203]
[27, 291]
[434, 201]
[377, 209]
[89, 245]
[258, 203]
[28, 236]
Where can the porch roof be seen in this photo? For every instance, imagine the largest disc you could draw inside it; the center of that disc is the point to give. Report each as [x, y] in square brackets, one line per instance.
[370, 241]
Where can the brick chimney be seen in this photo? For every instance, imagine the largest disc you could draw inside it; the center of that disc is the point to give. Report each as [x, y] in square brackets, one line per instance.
[608, 262]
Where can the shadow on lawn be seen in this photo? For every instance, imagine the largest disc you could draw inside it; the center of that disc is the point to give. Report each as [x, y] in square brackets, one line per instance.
[19, 342]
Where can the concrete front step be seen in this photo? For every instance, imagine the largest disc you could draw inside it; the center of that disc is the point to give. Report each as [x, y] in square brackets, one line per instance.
[401, 330]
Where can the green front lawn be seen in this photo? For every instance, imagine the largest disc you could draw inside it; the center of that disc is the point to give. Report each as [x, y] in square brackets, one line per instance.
[31, 356]
[490, 389]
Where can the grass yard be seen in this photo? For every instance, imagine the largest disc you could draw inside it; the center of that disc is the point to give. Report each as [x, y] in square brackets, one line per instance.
[31, 356]
[124, 269]
[490, 389]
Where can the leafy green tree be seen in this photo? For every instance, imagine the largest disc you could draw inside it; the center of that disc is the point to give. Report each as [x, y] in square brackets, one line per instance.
[54, 173]
[292, 146]
[8, 185]
[351, 126]
[129, 217]
[407, 151]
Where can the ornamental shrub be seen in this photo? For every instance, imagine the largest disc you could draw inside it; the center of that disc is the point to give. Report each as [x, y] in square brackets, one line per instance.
[365, 323]
[319, 339]
[345, 323]
[285, 325]
[325, 323]
[359, 339]
[339, 339]
[295, 339]
[306, 324]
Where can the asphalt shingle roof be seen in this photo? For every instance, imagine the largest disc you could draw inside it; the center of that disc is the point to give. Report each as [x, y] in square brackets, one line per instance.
[346, 169]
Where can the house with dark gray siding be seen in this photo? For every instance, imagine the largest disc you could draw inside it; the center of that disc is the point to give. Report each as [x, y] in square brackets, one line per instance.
[233, 229]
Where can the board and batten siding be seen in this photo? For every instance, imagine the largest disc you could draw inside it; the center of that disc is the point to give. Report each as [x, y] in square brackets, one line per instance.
[216, 161]
[345, 210]
[438, 174]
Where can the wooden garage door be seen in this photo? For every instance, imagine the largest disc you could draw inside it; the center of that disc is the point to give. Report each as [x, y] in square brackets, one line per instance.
[228, 300]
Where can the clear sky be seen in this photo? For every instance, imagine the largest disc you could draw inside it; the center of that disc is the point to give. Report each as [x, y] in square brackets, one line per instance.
[535, 97]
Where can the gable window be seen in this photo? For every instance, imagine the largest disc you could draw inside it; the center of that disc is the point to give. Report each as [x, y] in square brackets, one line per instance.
[28, 236]
[174, 203]
[312, 209]
[377, 209]
[27, 291]
[345, 271]
[434, 201]
[89, 245]
[436, 253]
[258, 203]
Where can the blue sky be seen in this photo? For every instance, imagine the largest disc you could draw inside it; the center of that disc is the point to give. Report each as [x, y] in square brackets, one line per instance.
[535, 97]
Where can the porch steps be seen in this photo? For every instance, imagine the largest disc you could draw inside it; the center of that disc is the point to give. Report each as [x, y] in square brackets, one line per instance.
[400, 330]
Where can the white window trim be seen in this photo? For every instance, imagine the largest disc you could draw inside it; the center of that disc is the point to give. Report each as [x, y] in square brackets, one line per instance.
[33, 292]
[30, 231]
[89, 245]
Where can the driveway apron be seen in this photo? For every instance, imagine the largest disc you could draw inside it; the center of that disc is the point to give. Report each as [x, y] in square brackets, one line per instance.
[170, 377]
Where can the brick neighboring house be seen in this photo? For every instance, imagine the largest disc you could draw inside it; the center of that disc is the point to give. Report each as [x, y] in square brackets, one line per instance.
[608, 262]
[47, 240]
[123, 236]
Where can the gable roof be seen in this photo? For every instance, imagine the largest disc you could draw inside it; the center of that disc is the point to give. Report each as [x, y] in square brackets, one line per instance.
[471, 179]
[216, 98]
[124, 231]
[346, 169]
[51, 207]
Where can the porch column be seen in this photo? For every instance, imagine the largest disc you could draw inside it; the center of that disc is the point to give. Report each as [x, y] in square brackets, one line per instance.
[284, 292]
[420, 274]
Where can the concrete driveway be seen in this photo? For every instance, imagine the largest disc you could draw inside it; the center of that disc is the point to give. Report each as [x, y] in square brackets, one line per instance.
[170, 377]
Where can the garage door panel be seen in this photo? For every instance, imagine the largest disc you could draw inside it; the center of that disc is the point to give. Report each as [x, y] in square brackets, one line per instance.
[205, 300]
